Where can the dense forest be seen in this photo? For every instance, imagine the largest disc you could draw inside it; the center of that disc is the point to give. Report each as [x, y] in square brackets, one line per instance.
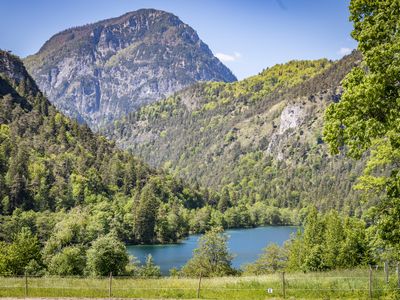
[258, 141]
[68, 187]
[254, 152]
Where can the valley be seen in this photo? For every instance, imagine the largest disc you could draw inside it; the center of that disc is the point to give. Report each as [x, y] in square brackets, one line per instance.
[134, 163]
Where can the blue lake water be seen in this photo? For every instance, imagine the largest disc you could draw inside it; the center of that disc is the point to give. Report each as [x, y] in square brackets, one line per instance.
[245, 244]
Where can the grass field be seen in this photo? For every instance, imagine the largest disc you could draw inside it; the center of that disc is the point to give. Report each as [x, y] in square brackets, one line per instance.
[352, 284]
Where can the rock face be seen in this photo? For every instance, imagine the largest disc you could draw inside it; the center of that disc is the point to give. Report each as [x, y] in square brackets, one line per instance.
[99, 72]
[14, 71]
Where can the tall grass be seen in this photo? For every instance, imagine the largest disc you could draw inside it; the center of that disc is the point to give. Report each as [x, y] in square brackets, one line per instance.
[350, 284]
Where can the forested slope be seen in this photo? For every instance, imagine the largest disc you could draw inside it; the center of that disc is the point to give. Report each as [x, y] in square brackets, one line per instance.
[56, 172]
[258, 140]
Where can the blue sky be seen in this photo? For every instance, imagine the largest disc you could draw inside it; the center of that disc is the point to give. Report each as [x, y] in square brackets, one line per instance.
[247, 35]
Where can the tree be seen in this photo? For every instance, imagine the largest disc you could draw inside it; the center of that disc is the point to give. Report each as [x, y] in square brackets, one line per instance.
[368, 114]
[271, 260]
[224, 201]
[313, 239]
[354, 248]
[71, 230]
[212, 257]
[149, 269]
[22, 252]
[327, 242]
[295, 252]
[107, 254]
[146, 214]
[17, 180]
[70, 261]
[171, 225]
[333, 239]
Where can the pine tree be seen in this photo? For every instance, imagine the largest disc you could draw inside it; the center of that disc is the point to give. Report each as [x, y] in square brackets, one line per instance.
[146, 212]
[224, 201]
[17, 180]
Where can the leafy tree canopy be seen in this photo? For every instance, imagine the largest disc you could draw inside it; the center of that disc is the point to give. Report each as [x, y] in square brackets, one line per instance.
[368, 115]
[212, 257]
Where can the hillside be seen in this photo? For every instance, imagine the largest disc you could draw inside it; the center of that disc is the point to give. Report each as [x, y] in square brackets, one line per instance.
[98, 72]
[60, 179]
[258, 140]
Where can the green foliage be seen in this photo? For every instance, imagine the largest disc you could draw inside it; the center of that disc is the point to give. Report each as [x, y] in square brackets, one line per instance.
[72, 188]
[107, 255]
[237, 149]
[172, 223]
[145, 219]
[69, 261]
[368, 115]
[211, 258]
[149, 269]
[327, 242]
[22, 255]
[271, 260]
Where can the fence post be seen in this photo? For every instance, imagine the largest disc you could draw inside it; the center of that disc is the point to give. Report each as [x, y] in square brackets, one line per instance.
[110, 286]
[199, 286]
[26, 285]
[386, 268]
[370, 282]
[283, 285]
[398, 274]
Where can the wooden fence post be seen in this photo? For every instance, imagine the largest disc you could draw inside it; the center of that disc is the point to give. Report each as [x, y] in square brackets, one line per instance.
[386, 268]
[283, 285]
[199, 286]
[398, 274]
[26, 285]
[370, 282]
[110, 286]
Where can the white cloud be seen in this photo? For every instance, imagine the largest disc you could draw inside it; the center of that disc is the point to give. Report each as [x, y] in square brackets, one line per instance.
[344, 51]
[228, 57]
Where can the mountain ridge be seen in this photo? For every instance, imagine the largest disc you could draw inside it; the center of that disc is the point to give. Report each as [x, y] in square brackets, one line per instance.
[101, 71]
[256, 142]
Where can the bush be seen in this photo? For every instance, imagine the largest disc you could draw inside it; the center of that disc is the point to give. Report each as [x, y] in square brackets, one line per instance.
[24, 251]
[271, 260]
[70, 261]
[107, 255]
[149, 269]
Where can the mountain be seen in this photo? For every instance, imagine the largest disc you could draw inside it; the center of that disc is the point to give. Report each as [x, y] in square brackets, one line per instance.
[67, 189]
[257, 140]
[99, 72]
[58, 178]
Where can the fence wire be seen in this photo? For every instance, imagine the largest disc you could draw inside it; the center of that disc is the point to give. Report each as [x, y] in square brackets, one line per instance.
[372, 286]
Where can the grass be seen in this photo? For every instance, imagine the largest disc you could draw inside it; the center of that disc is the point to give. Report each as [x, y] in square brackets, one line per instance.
[353, 284]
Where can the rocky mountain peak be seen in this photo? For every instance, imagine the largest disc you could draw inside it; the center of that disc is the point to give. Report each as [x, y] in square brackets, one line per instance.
[101, 71]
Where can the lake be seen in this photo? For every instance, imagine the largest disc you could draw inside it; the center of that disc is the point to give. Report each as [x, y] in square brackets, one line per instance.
[245, 244]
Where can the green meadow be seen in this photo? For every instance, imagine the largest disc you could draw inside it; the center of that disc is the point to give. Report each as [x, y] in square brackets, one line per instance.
[348, 284]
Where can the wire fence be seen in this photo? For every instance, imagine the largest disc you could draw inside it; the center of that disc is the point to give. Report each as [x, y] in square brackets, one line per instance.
[363, 284]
